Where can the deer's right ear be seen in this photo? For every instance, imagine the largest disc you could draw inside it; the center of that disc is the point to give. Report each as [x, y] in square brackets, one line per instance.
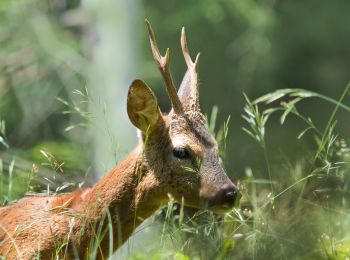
[142, 106]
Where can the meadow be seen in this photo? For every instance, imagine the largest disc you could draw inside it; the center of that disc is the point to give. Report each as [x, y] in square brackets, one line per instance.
[65, 67]
[300, 214]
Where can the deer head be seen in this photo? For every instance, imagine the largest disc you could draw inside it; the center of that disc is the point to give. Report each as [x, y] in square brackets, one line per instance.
[179, 153]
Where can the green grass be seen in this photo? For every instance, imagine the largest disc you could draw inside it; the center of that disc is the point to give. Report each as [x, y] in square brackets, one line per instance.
[298, 210]
[289, 210]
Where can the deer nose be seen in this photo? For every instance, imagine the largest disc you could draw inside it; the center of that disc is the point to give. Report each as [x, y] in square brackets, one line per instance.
[231, 195]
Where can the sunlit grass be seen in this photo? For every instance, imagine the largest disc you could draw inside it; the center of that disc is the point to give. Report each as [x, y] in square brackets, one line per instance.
[299, 210]
[300, 213]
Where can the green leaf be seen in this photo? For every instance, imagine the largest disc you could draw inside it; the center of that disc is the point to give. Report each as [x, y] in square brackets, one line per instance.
[301, 134]
[3, 142]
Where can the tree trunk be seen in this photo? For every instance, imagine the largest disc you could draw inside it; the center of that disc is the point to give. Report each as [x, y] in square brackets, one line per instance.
[110, 40]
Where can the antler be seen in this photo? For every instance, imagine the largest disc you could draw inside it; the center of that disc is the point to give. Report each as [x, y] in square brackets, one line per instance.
[163, 64]
[192, 68]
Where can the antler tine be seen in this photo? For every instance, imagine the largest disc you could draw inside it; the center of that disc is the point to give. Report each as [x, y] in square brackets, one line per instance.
[163, 64]
[191, 66]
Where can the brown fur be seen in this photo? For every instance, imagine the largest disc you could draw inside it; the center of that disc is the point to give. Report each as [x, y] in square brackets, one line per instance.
[131, 192]
[64, 225]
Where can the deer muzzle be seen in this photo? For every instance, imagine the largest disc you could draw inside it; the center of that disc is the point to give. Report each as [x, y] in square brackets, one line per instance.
[226, 198]
[220, 196]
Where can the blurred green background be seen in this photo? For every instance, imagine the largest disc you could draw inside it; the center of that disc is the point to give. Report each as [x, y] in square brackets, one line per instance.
[50, 48]
[65, 67]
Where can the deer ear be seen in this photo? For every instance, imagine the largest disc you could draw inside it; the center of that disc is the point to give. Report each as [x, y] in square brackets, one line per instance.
[142, 106]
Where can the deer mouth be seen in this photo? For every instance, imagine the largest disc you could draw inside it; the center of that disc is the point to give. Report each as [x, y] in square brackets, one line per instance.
[224, 200]
[220, 210]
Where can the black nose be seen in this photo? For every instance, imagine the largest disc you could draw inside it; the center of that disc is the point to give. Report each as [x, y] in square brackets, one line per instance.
[231, 196]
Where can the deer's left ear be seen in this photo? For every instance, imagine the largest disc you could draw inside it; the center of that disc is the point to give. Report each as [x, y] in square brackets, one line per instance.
[142, 106]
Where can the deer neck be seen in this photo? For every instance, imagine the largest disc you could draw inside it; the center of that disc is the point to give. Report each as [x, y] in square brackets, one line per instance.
[129, 192]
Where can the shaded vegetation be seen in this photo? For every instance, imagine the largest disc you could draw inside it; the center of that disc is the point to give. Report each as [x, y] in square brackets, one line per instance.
[290, 160]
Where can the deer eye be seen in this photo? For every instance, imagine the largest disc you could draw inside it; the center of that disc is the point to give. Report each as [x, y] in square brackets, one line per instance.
[181, 153]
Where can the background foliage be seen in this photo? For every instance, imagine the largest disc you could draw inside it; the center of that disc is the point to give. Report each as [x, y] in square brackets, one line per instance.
[256, 47]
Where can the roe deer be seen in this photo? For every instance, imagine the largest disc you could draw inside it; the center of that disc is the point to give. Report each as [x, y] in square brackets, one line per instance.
[176, 155]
